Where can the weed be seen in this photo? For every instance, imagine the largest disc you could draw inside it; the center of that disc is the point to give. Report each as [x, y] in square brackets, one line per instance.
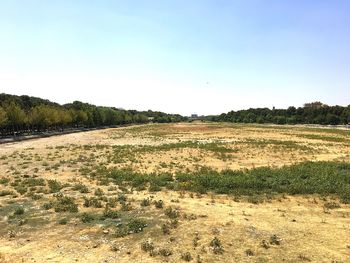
[112, 202]
[126, 207]
[186, 256]
[331, 205]
[216, 246]
[196, 239]
[145, 202]
[159, 204]
[19, 211]
[99, 192]
[275, 240]
[122, 198]
[4, 181]
[147, 246]
[165, 252]
[172, 212]
[166, 229]
[47, 206]
[304, 258]
[63, 221]
[92, 201]
[265, 244]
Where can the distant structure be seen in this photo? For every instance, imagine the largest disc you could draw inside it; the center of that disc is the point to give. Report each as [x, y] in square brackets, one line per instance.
[315, 105]
[194, 116]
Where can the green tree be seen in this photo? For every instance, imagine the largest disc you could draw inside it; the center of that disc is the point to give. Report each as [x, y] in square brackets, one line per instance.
[15, 115]
[3, 117]
[38, 117]
[81, 117]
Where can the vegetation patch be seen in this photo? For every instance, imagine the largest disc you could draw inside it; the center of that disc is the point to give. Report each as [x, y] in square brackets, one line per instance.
[325, 178]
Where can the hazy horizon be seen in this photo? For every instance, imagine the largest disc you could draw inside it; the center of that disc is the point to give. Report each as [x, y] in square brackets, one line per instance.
[204, 57]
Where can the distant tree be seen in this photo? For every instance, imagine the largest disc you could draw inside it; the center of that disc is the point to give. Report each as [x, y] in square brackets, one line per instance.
[332, 119]
[81, 117]
[291, 111]
[346, 115]
[38, 117]
[65, 118]
[291, 120]
[280, 120]
[15, 115]
[28, 114]
[3, 117]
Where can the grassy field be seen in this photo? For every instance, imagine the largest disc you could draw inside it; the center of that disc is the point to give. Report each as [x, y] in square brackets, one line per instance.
[195, 192]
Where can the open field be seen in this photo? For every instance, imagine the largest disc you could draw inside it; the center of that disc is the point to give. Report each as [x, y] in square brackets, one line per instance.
[199, 192]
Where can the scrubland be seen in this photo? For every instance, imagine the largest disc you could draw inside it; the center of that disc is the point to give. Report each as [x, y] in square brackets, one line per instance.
[185, 192]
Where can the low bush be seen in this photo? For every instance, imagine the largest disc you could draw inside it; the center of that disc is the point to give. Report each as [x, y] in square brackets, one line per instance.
[81, 188]
[92, 201]
[108, 213]
[87, 217]
[136, 225]
[65, 204]
[54, 186]
[19, 211]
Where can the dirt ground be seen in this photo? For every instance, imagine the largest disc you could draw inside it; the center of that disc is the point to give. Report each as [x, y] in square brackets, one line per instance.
[281, 229]
[252, 145]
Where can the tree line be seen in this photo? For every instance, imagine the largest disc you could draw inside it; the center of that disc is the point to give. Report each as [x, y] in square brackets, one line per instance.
[25, 114]
[310, 113]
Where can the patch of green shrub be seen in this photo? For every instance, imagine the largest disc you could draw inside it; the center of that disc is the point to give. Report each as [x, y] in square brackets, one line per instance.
[108, 213]
[81, 188]
[19, 211]
[87, 217]
[65, 204]
[54, 186]
[136, 225]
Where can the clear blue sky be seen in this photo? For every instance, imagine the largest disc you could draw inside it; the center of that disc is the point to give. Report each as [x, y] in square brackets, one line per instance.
[181, 56]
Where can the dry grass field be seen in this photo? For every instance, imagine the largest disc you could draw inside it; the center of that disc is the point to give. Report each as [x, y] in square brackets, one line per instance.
[186, 192]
